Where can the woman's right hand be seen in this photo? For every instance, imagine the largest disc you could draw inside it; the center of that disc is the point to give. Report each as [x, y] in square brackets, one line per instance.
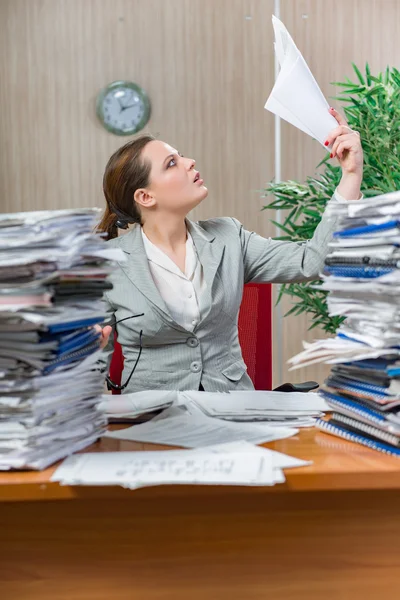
[105, 334]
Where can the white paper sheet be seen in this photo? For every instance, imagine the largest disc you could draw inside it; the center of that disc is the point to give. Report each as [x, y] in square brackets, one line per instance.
[196, 430]
[279, 460]
[137, 403]
[296, 96]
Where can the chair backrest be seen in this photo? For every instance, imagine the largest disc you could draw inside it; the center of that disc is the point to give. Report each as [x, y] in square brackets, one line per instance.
[255, 333]
[117, 364]
[255, 336]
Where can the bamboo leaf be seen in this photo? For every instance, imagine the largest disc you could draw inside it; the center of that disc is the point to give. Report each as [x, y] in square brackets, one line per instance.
[291, 311]
[358, 73]
[368, 74]
[281, 226]
[312, 213]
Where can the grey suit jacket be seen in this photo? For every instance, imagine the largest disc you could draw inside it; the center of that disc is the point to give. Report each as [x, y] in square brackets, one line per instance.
[174, 358]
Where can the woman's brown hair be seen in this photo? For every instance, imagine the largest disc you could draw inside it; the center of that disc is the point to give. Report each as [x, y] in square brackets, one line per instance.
[125, 172]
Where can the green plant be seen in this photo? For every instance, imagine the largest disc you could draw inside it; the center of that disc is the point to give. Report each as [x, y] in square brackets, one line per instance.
[372, 107]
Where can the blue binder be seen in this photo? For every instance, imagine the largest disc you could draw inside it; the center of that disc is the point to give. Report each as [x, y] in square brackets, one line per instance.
[367, 229]
[374, 391]
[71, 357]
[60, 327]
[359, 438]
[354, 408]
[358, 272]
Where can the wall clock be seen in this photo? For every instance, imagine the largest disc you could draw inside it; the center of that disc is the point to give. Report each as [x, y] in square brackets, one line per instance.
[123, 107]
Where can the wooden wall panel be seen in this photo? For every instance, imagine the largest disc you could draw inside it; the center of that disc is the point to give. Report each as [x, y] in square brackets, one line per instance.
[208, 67]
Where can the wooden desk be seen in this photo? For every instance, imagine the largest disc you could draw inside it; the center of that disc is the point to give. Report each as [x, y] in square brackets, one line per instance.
[331, 532]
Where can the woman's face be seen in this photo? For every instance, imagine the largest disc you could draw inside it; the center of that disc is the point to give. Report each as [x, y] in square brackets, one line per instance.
[175, 184]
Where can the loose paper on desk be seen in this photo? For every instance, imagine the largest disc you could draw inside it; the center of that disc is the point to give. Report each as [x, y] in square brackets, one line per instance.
[237, 463]
[296, 96]
[141, 469]
[277, 408]
[279, 460]
[196, 429]
[135, 404]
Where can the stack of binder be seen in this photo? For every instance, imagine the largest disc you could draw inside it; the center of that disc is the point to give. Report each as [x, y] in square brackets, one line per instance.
[53, 272]
[362, 276]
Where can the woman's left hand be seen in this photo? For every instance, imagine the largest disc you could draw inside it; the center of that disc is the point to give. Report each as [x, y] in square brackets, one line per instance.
[346, 146]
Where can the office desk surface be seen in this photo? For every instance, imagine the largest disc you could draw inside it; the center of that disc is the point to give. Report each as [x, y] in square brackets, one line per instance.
[332, 531]
[337, 465]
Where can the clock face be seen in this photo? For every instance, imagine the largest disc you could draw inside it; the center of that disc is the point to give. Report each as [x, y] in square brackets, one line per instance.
[123, 108]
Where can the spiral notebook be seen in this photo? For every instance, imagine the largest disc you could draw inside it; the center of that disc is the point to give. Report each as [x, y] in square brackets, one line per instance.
[388, 421]
[354, 410]
[368, 230]
[358, 438]
[371, 390]
[376, 404]
[357, 261]
[361, 375]
[359, 427]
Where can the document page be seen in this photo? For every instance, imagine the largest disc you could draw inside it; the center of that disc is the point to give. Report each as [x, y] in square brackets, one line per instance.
[138, 469]
[194, 430]
[296, 96]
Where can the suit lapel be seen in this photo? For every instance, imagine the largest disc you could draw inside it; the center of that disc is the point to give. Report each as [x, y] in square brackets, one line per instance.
[137, 269]
[210, 251]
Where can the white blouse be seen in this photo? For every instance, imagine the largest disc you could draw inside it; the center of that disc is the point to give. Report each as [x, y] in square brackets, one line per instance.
[180, 291]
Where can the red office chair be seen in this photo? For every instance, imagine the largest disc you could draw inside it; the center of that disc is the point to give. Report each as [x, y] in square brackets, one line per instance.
[116, 365]
[255, 336]
[255, 333]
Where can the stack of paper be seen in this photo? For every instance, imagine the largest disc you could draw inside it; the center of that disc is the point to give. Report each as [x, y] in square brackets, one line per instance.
[362, 276]
[296, 96]
[53, 272]
[225, 464]
[292, 409]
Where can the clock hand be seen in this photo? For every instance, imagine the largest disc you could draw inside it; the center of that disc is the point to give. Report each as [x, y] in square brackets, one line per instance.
[129, 106]
[127, 96]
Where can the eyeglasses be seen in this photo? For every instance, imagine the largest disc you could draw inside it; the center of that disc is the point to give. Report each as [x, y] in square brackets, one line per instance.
[110, 383]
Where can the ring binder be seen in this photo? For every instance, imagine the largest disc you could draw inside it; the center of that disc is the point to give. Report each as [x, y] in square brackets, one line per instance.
[357, 438]
[372, 431]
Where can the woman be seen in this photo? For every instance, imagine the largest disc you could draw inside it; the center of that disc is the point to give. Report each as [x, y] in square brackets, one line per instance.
[176, 298]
